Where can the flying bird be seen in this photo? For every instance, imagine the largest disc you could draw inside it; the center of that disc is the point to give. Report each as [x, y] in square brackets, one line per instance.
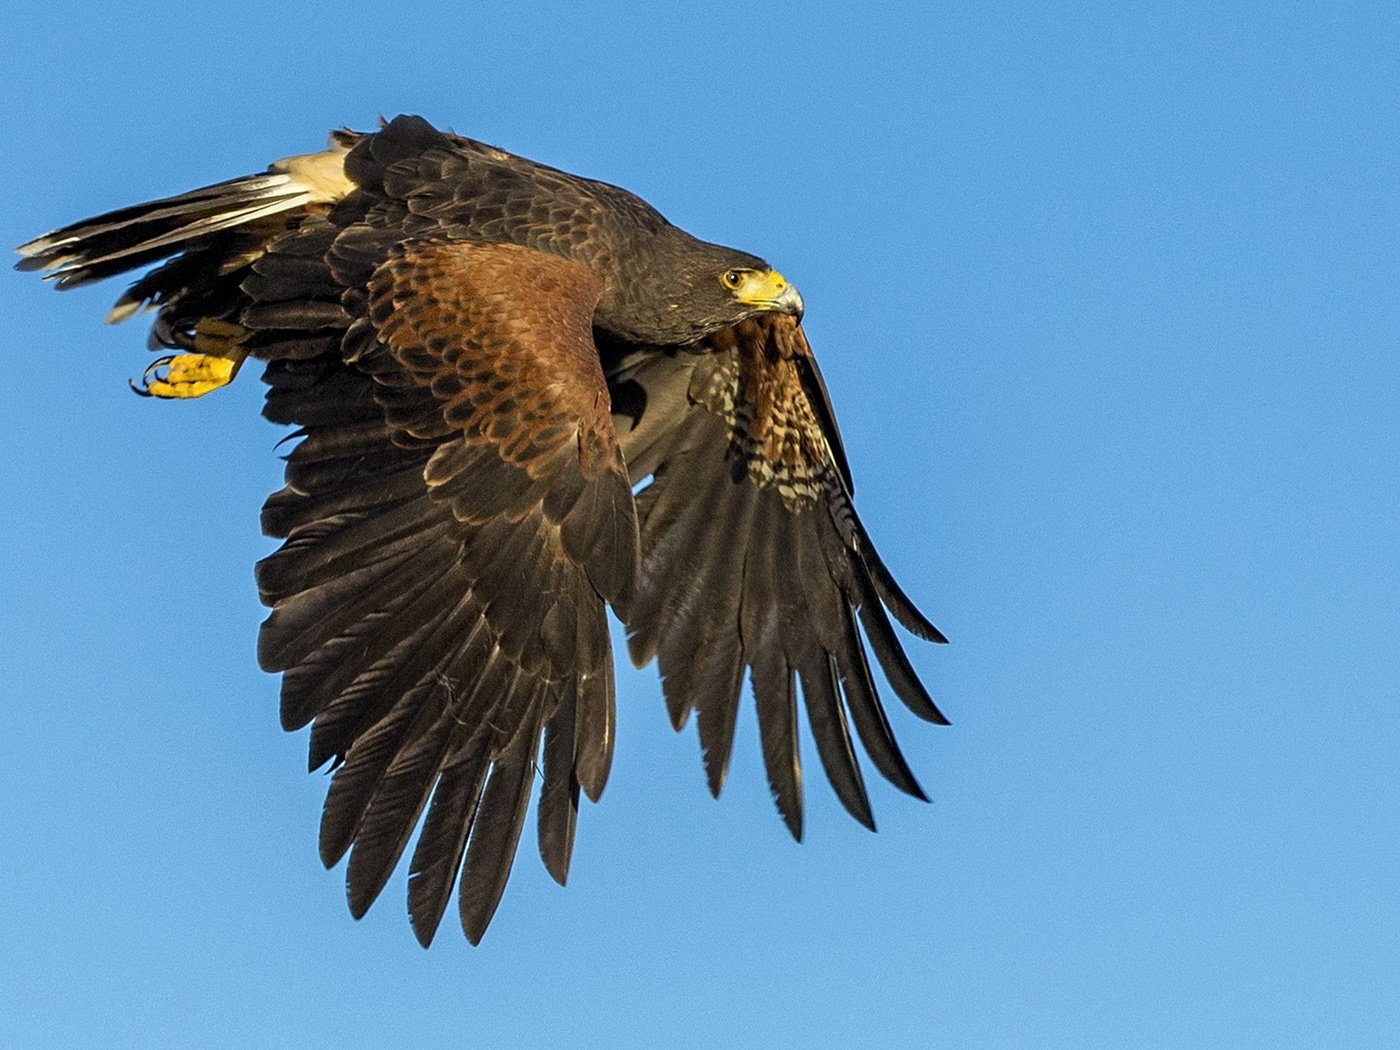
[521, 396]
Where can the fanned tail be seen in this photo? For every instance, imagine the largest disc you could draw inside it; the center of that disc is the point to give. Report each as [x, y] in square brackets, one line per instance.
[131, 237]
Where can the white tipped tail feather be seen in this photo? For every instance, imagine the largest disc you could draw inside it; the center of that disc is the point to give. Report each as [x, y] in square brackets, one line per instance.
[130, 237]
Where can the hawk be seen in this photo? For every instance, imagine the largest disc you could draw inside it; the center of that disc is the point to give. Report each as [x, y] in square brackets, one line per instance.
[521, 397]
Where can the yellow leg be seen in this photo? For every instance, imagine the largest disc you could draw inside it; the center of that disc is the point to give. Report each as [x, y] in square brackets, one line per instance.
[194, 375]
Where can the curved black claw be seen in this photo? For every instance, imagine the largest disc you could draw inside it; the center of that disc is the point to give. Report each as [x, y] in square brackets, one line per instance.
[151, 372]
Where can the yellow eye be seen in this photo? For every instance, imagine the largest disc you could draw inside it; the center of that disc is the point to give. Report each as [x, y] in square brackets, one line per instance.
[733, 278]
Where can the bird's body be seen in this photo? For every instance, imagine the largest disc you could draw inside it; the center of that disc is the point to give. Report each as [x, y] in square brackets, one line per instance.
[484, 355]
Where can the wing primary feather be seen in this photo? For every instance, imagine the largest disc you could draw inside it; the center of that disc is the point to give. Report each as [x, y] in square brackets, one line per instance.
[412, 696]
[496, 830]
[559, 791]
[777, 730]
[868, 713]
[716, 722]
[358, 779]
[762, 649]
[596, 718]
[890, 592]
[375, 687]
[393, 812]
[893, 660]
[766, 616]
[701, 660]
[438, 854]
[334, 648]
[302, 621]
[828, 721]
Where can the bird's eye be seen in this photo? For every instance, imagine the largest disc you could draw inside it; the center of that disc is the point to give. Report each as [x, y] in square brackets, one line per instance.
[733, 278]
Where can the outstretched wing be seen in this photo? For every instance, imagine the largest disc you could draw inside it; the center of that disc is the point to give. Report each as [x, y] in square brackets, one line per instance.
[753, 558]
[458, 510]
[454, 518]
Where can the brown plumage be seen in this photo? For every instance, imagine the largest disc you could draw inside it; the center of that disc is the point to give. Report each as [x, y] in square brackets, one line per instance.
[483, 356]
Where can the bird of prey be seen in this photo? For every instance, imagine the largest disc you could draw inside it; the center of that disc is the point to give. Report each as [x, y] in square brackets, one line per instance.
[521, 397]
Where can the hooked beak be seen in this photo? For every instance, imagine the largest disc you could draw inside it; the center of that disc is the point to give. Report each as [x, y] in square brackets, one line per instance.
[770, 291]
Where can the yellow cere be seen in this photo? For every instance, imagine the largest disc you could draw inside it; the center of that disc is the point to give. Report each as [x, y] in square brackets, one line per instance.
[760, 288]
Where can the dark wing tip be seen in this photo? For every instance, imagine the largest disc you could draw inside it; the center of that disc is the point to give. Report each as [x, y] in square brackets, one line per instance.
[557, 810]
[792, 820]
[893, 596]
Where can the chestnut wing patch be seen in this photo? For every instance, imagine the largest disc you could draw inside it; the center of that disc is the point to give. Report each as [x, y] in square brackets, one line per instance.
[502, 338]
[456, 516]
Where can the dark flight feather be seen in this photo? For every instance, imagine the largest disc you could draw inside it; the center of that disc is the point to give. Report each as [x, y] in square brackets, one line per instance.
[482, 356]
[496, 830]
[443, 840]
[558, 813]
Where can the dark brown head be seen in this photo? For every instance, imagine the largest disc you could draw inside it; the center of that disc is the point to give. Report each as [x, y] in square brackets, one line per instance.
[676, 289]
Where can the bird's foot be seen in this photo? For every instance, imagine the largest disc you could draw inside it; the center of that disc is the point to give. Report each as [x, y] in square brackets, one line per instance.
[185, 375]
[194, 375]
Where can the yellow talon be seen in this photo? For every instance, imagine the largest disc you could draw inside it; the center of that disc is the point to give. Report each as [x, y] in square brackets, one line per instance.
[187, 375]
[194, 375]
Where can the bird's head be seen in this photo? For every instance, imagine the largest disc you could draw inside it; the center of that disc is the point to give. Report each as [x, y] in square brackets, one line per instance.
[761, 289]
[688, 289]
[725, 286]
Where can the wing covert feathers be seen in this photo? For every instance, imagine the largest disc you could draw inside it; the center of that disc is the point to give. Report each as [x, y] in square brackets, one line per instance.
[458, 508]
[438, 603]
[502, 336]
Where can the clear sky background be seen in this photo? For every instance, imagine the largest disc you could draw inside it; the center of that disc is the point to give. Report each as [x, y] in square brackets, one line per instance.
[1107, 302]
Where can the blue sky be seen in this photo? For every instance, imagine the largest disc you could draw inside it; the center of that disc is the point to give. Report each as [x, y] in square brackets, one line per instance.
[1106, 300]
